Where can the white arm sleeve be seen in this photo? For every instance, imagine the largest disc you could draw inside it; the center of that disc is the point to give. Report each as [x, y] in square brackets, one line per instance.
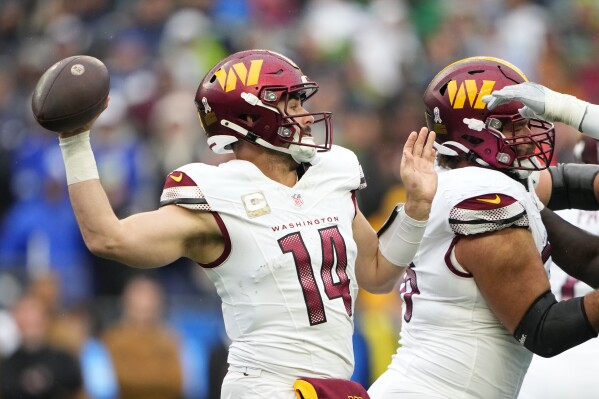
[590, 121]
[400, 237]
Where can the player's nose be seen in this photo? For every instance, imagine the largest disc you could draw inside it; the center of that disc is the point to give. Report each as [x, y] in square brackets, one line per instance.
[308, 119]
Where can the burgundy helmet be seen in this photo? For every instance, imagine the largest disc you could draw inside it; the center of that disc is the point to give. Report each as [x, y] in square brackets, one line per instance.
[464, 124]
[238, 99]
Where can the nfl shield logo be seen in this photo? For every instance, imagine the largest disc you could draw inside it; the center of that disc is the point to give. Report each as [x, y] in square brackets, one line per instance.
[297, 199]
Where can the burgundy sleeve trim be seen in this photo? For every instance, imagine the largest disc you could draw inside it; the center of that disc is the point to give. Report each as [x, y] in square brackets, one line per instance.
[452, 268]
[226, 237]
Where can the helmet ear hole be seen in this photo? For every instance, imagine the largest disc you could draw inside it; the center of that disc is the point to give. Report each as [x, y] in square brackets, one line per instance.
[443, 88]
[472, 139]
[249, 119]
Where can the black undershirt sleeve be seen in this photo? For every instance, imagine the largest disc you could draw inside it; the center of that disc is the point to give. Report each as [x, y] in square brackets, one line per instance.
[573, 249]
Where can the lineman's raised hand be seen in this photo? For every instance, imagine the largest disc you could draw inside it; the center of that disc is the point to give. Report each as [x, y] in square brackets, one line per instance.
[418, 173]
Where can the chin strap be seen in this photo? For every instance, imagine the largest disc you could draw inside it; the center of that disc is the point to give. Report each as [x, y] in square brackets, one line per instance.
[299, 153]
[471, 156]
[255, 101]
[441, 149]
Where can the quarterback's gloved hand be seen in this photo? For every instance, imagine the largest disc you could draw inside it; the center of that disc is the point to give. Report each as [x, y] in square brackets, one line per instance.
[540, 103]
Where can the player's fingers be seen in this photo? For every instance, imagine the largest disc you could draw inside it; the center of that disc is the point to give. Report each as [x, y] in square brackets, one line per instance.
[420, 142]
[429, 149]
[407, 162]
[489, 99]
[495, 100]
[527, 113]
[409, 144]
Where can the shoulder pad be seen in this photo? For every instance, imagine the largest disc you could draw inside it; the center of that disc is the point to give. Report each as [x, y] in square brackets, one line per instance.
[180, 189]
[487, 213]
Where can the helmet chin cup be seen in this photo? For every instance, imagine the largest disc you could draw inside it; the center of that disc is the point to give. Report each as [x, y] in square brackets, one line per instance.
[301, 153]
[304, 152]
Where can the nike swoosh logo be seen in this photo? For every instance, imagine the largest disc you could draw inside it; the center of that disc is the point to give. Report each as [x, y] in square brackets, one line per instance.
[177, 178]
[495, 200]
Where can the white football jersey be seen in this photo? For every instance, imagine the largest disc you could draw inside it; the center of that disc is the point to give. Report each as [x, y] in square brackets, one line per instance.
[451, 343]
[571, 374]
[287, 279]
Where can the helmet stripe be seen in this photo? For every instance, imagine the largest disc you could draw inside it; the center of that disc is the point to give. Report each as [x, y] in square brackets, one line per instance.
[484, 58]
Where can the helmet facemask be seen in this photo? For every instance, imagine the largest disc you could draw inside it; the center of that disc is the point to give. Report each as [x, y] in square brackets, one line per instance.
[301, 142]
[525, 152]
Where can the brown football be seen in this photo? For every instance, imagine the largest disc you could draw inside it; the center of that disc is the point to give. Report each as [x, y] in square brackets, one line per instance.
[71, 93]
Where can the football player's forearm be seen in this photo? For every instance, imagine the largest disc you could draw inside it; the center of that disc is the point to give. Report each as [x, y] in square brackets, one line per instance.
[574, 250]
[378, 276]
[550, 327]
[90, 204]
[574, 186]
[400, 236]
[97, 221]
[388, 274]
[144, 240]
[373, 272]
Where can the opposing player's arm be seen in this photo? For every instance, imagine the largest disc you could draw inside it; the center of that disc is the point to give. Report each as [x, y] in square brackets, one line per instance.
[544, 103]
[569, 186]
[144, 240]
[514, 284]
[574, 250]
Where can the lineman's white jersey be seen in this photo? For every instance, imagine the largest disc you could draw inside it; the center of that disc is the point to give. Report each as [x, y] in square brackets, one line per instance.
[451, 343]
[573, 373]
[287, 279]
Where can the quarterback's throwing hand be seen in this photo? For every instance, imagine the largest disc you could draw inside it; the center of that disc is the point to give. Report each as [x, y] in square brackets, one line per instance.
[418, 173]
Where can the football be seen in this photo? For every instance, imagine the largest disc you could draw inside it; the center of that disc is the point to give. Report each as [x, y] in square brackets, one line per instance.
[71, 93]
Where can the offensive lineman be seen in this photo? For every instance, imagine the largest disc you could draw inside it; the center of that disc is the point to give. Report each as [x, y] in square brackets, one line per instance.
[477, 302]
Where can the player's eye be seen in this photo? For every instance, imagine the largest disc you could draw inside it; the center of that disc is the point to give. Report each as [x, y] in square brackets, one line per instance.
[294, 105]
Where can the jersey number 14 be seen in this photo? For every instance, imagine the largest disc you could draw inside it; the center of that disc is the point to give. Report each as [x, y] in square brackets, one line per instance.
[333, 251]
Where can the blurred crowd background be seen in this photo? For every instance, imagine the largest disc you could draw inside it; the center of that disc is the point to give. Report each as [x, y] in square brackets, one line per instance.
[159, 334]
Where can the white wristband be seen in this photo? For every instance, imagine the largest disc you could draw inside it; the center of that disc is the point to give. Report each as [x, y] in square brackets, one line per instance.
[78, 157]
[564, 108]
[400, 238]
